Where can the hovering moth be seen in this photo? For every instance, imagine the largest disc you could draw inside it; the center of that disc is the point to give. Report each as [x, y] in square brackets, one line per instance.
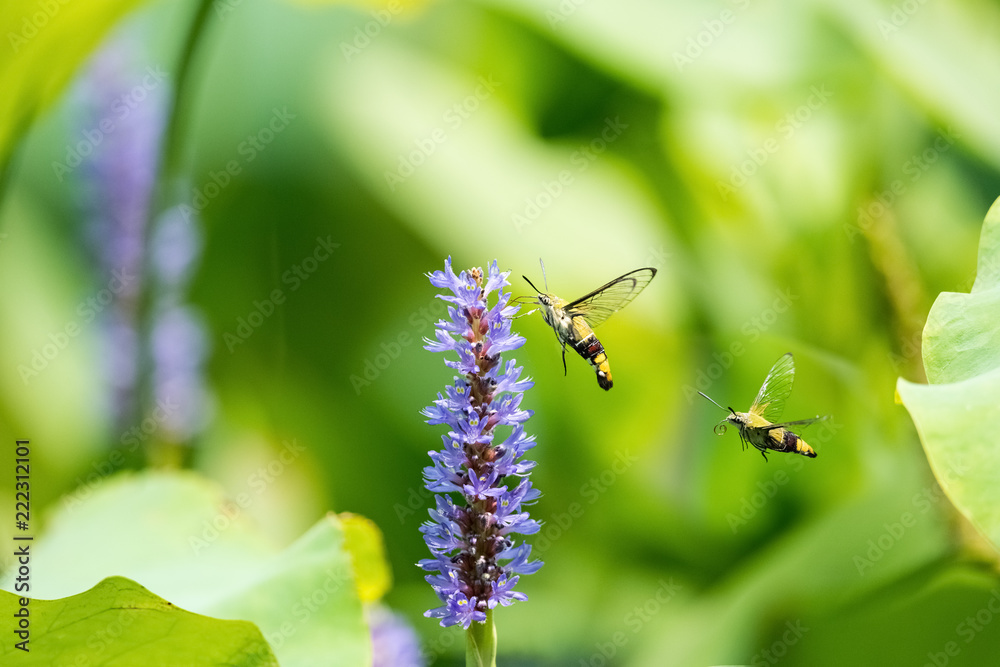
[757, 427]
[573, 321]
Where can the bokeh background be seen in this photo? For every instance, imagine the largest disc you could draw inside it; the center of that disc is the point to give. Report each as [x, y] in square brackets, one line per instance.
[232, 204]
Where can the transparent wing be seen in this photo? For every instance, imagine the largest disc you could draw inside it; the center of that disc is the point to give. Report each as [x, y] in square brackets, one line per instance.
[770, 401]
[798, 422]
[608, 299]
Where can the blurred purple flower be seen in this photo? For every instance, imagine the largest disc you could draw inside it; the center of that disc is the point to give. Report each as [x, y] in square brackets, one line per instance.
[119, 148]
[116, 147]
[159, 349]
[179, 347]
[394, 642]
[179, 343]
[175, 248]
[475, 560]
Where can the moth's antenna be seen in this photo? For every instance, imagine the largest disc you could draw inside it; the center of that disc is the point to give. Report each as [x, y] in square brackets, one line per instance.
[546, 280]
[530, 283]
[730, 409]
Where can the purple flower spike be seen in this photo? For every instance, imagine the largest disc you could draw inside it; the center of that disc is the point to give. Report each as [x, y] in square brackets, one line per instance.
[475, 562]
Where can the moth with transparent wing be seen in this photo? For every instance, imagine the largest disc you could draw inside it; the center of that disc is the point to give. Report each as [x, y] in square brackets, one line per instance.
[757, 426]
[573, 321]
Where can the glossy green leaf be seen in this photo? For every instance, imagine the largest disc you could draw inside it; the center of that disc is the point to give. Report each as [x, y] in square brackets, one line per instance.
[118, 622]
[957, 414]
[179, 536]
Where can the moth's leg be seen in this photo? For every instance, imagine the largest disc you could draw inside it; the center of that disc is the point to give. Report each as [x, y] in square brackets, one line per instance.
[565, 372]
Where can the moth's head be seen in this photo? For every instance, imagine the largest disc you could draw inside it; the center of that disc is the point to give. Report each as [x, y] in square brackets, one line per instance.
[735, 418]
[541, 298]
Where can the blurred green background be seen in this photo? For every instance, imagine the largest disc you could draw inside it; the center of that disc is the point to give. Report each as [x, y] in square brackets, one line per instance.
[806, 177]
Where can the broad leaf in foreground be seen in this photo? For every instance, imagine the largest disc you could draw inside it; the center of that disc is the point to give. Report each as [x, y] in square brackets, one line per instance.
[118, 622]
[957, 414]
[178, 535]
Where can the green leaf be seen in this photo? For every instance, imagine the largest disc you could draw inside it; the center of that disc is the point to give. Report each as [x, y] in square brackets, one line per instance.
[363, 540]
[305, 601]
[118, 622]
[957, 414]
[178, 535]
[45, 43]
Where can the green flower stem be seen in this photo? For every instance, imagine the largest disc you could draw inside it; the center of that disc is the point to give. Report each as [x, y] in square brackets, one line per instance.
[171, 159]
[481, 643]
[169, 191]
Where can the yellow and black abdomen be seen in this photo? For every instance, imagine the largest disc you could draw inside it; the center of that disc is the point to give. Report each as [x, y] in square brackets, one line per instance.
[793, 443]
[591, 349]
